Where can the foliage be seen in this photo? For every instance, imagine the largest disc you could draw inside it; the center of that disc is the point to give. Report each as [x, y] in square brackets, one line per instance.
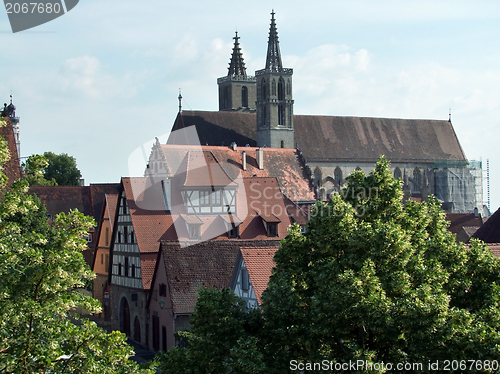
[51, 170]
[380, 281]
[372, 279]
[34, 171]
[41, 270]
[222, 341]
[62, 168]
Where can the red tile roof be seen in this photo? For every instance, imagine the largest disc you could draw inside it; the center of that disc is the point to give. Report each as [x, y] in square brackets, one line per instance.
[495, 249]
[459, 220]
[283, 164]
[202, 169]
[259, 263]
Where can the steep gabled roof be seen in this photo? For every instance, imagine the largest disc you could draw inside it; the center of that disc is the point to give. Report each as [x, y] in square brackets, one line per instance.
[459, 220]
[207, 264]
[333, 138]
[259, 263]
[489, 232]
[11, 168]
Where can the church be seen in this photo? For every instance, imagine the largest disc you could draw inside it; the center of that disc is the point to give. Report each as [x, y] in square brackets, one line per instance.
[257, 111]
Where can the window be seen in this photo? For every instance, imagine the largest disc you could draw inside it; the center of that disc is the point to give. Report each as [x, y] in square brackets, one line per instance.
[234, 232]
[272, 229]
[281, 115]
[205, 198]
[194, 231]
[281, 89]
[282, 144]
[416, 180]
[119, 238]
[124, 205]
[126, 266]
[120, 268]
[132, 236]
[132, 271]
[244, 97]
[102, 258]
[107, 236]
[337, 176]
[163, 289]
[216, 197]
[397, 173]
[125, 234]
[245, 280]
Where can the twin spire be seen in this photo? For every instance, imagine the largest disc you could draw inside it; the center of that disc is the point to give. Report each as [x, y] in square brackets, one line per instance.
[273, 59]
[237, 65]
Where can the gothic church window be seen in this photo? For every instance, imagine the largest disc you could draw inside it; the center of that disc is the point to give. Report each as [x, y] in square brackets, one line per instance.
[397, 173]
[274, 87]
[337, 176]
[317, 177]
[416, 180]
[281, 89]
[281, 115]
[244, 97]
[288, 87]
[263, 89]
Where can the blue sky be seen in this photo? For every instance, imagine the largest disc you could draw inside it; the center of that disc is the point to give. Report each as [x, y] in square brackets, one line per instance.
[102, 80]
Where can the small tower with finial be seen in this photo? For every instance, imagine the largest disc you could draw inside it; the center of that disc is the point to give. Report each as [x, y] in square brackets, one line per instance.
[237, 90]
[9, 111]
[180, 101]
[274, 97]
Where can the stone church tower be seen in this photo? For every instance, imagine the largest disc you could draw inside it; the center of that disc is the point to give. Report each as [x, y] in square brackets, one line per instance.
[274, 98]
[237, 90]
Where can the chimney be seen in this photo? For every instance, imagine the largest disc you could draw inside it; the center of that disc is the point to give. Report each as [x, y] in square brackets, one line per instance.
[260, 158]
[234, 146]
[244, 160]
[167, 188]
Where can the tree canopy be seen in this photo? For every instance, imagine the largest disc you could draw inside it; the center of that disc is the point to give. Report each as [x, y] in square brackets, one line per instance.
[50, 169]
[41, 271]
[375, 281]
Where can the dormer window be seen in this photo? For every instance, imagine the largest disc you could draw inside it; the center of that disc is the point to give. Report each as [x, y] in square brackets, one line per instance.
[234, 233]
[272, 229]
[194, 231]
[270, 222]
[193, 226]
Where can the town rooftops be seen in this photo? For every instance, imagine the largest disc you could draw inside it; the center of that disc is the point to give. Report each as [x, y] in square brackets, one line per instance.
[489, 232]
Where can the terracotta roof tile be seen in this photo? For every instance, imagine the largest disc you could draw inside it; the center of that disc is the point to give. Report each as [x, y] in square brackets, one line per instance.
[148, 264]
[259, 263]
[283, 164]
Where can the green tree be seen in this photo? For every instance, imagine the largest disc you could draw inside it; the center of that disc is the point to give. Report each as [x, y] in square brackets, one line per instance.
[41, 270]
[379, 281]
[62, 168]
[34, 171]
[224, 338]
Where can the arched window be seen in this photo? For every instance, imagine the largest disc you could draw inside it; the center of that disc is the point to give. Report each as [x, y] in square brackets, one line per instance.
[263, 89]
[281, 115]
[397, 173]
[416, 180]
[281, 89]
[337, 176]
[318, 177]
[244, 97]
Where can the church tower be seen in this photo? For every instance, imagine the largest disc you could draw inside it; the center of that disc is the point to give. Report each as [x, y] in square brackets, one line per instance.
[237, 90]
[274, 98]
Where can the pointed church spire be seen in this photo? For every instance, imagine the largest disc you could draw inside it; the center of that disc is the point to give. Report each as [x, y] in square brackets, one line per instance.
[273, 59]
[237, 65]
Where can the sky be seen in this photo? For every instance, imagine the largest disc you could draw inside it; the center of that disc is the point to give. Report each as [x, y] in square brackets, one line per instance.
[102, 81]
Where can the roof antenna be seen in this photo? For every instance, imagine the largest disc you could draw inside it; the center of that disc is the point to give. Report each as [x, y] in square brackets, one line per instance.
[449, 116]
[180, 100]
